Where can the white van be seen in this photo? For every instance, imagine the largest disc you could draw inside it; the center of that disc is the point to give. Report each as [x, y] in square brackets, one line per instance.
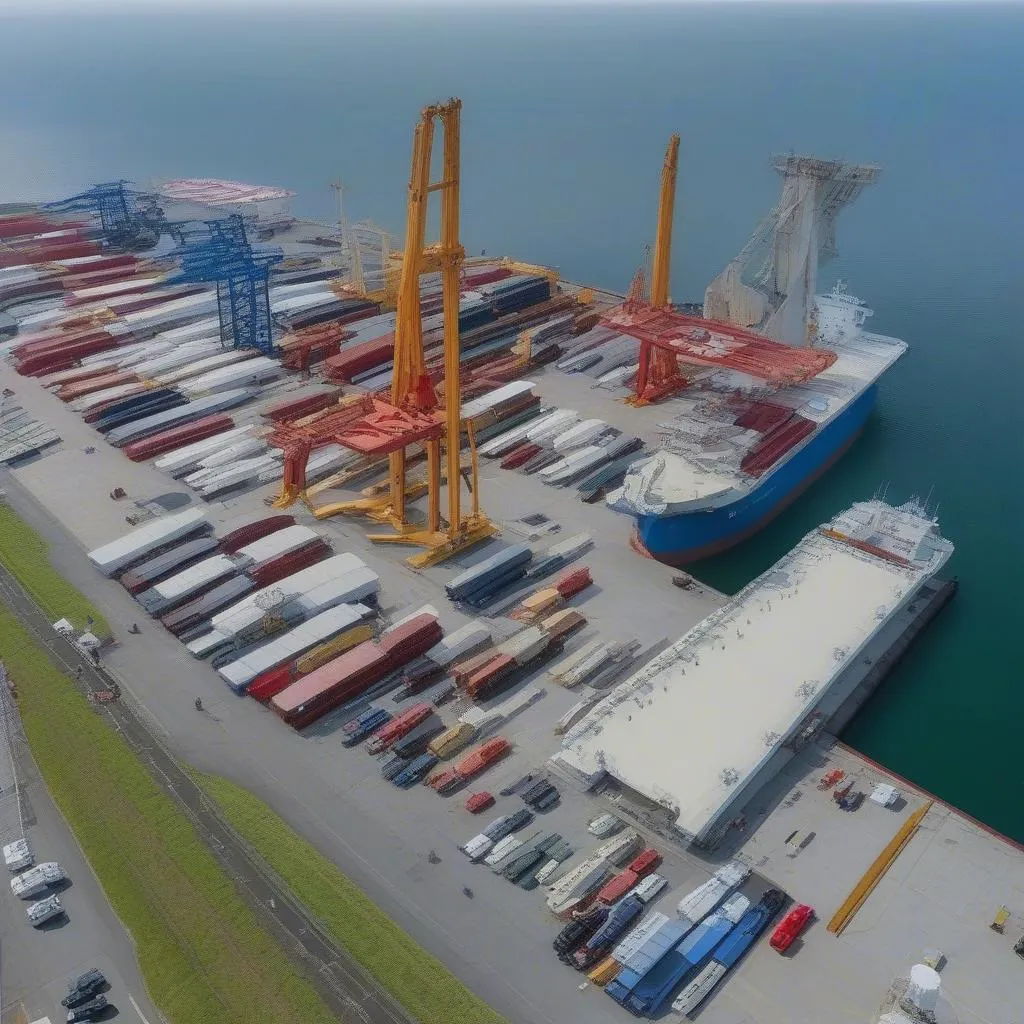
[37, 880]
[18, 856]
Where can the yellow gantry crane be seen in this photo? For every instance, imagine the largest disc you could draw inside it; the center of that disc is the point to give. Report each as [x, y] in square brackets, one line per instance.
[658, 371]
[412, 390]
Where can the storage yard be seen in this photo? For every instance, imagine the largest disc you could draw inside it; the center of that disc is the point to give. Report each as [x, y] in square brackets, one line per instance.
[383, 835]
[263, 523]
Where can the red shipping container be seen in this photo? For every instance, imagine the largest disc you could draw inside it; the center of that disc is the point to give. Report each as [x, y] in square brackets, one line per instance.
[332, 684]
[177, 437]
[251, 532]
[285, 565]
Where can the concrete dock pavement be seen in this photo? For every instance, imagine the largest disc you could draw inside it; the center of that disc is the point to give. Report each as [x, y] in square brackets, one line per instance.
[940, 893]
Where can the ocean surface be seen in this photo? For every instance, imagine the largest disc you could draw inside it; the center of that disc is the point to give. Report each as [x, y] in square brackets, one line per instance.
[567, 111]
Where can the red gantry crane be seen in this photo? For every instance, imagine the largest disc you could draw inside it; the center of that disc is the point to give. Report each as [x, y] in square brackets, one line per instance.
[667, 336]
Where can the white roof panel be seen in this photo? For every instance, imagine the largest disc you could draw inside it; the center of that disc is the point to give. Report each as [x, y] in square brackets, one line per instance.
[118, 553]
[699, 719]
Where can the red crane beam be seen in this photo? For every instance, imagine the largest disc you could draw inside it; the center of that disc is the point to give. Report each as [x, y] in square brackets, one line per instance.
[711, 343]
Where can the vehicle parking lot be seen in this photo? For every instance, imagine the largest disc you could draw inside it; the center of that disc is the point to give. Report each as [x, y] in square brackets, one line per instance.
[37, 963]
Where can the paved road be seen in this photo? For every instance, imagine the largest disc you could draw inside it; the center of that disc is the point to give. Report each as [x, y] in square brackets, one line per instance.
[342, 983]
[35, 964]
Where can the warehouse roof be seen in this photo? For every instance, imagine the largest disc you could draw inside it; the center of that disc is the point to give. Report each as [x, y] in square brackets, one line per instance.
[698, 720]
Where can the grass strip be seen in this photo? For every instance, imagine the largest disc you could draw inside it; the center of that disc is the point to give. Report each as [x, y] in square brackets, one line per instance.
[27, 556]
[419, 981]
[203, 954]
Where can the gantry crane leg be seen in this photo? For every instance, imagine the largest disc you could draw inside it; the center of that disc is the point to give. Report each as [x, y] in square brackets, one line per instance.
[658, 374]
[461, 531]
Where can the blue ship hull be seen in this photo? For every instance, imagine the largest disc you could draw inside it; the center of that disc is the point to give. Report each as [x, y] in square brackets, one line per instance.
[680, 539]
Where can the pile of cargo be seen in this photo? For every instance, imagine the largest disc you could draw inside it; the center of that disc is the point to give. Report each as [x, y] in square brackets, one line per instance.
[354, 672]
[265, 561]
[478, 583]
[148, 540]
[482, 844]
[542, 602]
[490, 673]
[561, 449]
[493, 305]
[488, 720]
[641, 865]
[364, 724]
[599, 943]
[399, 726]
[272, 666]
[464, 641]
[597, 664]
[577, 889]
[158, 568]
[472, 765]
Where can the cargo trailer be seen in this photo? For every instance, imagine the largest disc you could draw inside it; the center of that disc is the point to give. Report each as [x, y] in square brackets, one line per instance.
[123, 553]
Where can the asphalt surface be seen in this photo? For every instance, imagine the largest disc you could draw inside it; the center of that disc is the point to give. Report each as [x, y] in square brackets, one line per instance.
[37, 963]
[341, 982]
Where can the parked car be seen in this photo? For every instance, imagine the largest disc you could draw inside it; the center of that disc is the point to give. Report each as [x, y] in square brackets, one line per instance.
[791, 926]
[37, 880]
[45, 910]
[604, 825]
[88, 1011]
[83, 988]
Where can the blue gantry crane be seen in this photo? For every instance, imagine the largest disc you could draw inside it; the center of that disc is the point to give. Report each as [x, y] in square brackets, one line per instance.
[124, 223]
[219, 251]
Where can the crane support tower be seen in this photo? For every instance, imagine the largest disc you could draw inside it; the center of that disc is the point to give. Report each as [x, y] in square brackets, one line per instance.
[123, 225]
[219, 251]
[414, 416]
[777, 299]
[667, 335]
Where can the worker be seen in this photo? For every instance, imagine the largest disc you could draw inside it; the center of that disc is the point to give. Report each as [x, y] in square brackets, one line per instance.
[199, 704]
[466, 891]
[135, 628]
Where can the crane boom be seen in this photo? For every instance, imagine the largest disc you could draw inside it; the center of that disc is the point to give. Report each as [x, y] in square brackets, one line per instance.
[663, 239]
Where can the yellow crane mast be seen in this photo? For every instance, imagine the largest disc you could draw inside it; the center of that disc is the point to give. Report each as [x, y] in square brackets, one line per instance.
[410, 379]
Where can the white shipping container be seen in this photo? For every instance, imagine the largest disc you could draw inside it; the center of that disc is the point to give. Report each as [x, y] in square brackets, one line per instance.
[240, 673]
[109, 558]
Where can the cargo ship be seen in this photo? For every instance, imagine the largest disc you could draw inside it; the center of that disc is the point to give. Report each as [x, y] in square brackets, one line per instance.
[760, 418]
[845, 585]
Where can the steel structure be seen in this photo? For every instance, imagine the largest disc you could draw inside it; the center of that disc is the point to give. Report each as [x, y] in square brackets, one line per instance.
[219, 251]
[667, 335]
[123, 225]
[777, 298]
[413, 417]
